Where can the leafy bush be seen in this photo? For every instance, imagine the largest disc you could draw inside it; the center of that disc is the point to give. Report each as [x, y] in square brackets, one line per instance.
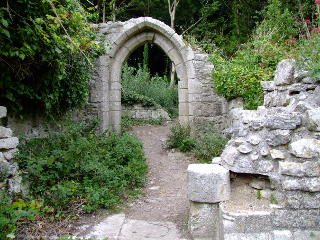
[11, 212]
[209, 145]
[139, 87]
[47, 53]
[204, 144]
[77, 164]
[240, 76]
[180, 138]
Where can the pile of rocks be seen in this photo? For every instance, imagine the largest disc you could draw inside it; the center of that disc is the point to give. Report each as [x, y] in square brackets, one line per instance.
[281, 140]
[9, 177]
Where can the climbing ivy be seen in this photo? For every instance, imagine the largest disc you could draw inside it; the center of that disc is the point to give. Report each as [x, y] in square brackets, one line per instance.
[47, 50]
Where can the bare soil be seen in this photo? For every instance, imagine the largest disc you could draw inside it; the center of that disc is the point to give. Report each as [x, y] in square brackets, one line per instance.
[165, 195]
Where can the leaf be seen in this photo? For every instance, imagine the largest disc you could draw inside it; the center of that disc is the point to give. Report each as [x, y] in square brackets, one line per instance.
[11, 236]
[4, 22]
[5, 32]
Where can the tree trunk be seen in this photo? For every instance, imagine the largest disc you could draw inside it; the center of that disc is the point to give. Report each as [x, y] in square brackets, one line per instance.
[172, 12]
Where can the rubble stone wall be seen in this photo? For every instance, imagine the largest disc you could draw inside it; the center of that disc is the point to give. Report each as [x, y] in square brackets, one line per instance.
[146, 113]
[9, 176]
[281, 140]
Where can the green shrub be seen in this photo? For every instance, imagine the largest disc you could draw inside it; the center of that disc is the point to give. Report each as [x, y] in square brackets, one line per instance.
[11, 212]
[209, 145]
[47, 54]
[139, 87]
[76, 163]
[180, 138]
[204, 144]
[256, 60]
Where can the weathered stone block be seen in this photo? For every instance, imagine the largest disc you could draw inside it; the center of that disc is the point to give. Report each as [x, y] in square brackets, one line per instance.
[305, 148]
[300, 200]
[9, 143]
[8, 155]
[301, 184]
[229, 155]
[306, 235]
[282, 235]
[283, 121]
[208, 183]
[3, 112]
[300, 219]
[205, 221]
[277, 154]
[5, 132]
[313, 119]
[278, 137]
[310, 169]
[284, 74]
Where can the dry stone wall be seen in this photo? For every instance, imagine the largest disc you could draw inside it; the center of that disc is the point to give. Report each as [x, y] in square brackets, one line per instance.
[10, 178]
[281, 140]
[146, 113]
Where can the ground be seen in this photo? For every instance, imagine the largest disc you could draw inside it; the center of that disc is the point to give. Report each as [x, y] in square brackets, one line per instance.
[162, 211]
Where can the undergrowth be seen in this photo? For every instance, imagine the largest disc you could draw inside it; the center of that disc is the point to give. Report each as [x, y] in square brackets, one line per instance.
[139, 87]
[204, 145]
[76, 164]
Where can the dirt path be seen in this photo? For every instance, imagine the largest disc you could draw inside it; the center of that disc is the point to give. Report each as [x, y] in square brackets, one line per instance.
[165, 196]
[161, 213]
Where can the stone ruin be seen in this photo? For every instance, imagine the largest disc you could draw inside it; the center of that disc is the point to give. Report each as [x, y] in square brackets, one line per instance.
[281, 141]
[9, 176]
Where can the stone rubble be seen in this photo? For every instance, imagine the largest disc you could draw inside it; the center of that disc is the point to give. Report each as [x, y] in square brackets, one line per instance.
[8, 149]
[281, 140]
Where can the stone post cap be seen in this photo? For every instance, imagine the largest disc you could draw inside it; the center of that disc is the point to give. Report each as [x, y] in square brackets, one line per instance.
[3, 112]
[208, 183]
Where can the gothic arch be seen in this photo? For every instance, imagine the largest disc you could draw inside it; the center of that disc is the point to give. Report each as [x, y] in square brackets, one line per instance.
[121, 39]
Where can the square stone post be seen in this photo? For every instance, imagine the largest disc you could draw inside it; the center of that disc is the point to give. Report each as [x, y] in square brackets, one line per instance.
[208, 185]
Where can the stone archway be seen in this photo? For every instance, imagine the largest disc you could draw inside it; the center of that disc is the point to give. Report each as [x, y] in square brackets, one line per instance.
[193, 71]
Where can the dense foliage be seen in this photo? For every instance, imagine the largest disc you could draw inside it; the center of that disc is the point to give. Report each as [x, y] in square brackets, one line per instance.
[139, 87]
[204, 144]
[274, 39]
[76, 164]
[47, 50]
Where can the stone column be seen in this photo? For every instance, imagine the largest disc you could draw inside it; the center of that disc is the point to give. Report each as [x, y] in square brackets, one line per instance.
[208, 185]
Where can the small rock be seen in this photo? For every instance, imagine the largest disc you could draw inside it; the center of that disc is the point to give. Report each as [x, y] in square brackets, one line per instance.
[229, 155]
[278, 137]
[309, 80]
[305, 148]
[277, 154]
[264, 166]
[283, 121]
[216, 160]
[284, 74]
[3, 112]
[5, 132]
[254, 139]
[313, 119]
[155, 188]
[245, 148]
[254, 156]
[264, 151]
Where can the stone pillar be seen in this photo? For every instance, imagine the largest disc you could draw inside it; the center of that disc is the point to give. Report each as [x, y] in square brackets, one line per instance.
[208, 185]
